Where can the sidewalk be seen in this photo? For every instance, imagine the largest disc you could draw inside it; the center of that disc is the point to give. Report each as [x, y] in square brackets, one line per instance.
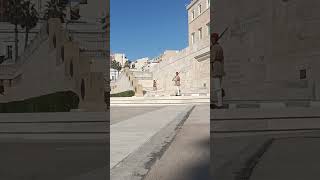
[188, 156]
[129, 135]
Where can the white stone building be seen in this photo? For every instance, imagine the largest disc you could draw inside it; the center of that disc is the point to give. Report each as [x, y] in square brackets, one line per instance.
[140, 64]
[85, 29]
[271, 49]
[120, 57]
[165, 55]
[114, 74]
[193, 62]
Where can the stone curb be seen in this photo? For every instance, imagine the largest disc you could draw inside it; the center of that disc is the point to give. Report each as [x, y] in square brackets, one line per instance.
[137, 165]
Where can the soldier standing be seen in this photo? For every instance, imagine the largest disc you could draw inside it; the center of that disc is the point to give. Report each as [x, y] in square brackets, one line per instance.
[217, 69]
[176, 80]
[154, 85]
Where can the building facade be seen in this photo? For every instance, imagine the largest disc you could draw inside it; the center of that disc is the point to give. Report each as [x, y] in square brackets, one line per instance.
[198, 20]
[120, 57]
[140, 64]
[167, 54]
[193, 62]
[68, 55]
[271, 49]
[3, 6]
[86, 29]
[113, 74]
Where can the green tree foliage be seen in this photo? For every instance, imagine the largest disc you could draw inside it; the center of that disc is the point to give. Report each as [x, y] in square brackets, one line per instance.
[29, 17]
[55, 9]
[14, 11]
[126, 64]
[116, 65]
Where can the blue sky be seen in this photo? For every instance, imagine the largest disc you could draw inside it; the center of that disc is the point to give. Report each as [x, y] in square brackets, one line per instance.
[145, 28]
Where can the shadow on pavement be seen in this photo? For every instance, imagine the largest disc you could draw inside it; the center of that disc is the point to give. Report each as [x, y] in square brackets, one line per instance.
[200, 169]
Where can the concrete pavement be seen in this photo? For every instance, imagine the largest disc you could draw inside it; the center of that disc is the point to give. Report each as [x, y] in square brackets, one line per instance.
[119, 114]
[158, 101]
[292, 158]
[136, 142]
[51, 161]
[265, 143]
[188, 156]
[53, 145]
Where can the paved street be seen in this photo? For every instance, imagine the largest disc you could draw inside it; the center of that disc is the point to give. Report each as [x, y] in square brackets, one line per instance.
[265, 144]
[53, 146]
[119, 114]
[51, 161]
[127, 136]
[294, 158]
[188, 156]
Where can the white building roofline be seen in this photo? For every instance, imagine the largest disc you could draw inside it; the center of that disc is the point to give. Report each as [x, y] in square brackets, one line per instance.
[191, 4]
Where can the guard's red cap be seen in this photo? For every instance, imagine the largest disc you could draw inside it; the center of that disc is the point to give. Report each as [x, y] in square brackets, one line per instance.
[215, 36]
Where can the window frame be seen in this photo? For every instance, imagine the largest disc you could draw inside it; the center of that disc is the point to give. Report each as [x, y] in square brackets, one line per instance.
[192, 38]
[193, 14]
[200, 33]
[9, 55]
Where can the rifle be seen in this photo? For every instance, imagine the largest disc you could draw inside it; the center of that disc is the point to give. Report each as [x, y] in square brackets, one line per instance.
[223, 33]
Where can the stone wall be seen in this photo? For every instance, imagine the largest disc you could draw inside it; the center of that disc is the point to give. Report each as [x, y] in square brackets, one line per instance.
[121, 84]
[266, 46]
[200, 20]
[194, 73]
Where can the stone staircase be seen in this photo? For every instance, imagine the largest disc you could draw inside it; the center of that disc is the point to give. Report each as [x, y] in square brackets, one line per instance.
[51, 63]
[158, 101]
[138, 81]
[265, 119]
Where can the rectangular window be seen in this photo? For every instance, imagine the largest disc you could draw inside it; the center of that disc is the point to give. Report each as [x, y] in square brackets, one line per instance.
[192, 38]
[200, 9]
[208, 29]
[303, 74]
[200, 33]
[9, 52]
[193, 15]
